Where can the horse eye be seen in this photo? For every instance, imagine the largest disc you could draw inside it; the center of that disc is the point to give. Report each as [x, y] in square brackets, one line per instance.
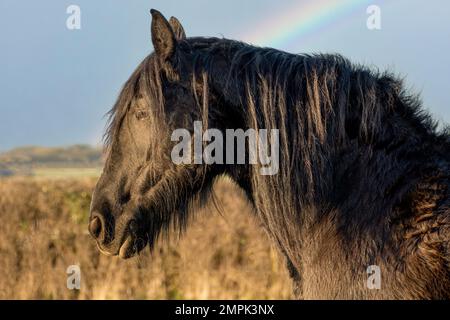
[141, 114]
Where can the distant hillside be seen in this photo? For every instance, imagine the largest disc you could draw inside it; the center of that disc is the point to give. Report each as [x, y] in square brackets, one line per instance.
[35, 156]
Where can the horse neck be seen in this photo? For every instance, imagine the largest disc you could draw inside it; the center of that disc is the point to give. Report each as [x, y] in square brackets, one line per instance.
[350, 171]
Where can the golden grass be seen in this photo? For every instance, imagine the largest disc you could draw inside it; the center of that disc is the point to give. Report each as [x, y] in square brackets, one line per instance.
[43, 231]
[64, 173]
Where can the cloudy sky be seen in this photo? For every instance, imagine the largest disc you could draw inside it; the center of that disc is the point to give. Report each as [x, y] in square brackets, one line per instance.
[56, 84]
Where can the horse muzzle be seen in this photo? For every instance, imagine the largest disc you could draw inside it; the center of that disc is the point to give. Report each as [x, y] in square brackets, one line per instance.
[124, 239]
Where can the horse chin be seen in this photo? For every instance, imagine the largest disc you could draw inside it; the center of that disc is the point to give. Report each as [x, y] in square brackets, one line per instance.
[105, 252]
[131, 246]
[127, 249]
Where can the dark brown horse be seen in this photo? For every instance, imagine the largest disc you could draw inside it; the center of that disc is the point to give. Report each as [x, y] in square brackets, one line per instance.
[364, 175]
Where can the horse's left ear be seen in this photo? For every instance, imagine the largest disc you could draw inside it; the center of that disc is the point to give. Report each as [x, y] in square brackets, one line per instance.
[163, 37]
[177, 28]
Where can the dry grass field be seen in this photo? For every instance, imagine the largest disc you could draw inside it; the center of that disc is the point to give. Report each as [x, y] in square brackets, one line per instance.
[43, 230]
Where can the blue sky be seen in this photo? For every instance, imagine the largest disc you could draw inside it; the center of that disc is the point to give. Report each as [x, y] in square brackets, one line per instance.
[57, 84]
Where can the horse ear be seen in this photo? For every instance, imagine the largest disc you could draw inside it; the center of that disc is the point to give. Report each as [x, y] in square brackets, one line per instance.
[177, 28]
[163, 37]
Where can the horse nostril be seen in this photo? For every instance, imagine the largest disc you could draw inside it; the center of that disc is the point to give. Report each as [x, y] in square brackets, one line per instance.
[95, 227]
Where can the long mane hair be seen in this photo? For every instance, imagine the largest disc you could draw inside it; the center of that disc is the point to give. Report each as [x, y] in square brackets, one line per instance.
[321, 105]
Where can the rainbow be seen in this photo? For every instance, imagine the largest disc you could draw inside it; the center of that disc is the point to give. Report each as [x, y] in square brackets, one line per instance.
[301, 19]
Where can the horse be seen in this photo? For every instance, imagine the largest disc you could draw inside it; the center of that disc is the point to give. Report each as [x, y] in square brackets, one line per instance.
[360, 206]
